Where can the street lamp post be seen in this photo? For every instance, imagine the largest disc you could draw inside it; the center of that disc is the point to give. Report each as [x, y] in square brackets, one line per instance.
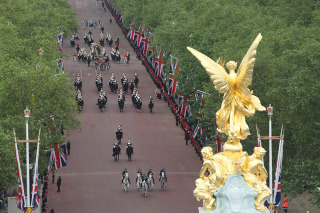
[270, 113]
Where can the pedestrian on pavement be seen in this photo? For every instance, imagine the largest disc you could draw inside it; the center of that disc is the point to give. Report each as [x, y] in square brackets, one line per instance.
[52, 211]
[177, 120]
[59, 183]
[110, 21]
[68, 147]
[186, 136]
[285, 204]
[53, 175]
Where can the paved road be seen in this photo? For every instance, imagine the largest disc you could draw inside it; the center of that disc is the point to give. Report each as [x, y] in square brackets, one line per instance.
[91, 181]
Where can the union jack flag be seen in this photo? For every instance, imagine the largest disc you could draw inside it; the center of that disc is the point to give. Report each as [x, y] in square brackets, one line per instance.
[57, 157]
[35, 198]
[60, 41]
[159, 64]
[131, 32]
[195, 131]
[173, 82]
[139, 36]
[277, 181]
[60, 155]
[20, 199]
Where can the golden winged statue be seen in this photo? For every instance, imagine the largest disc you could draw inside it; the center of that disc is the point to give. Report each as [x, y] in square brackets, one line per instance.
[238, 100]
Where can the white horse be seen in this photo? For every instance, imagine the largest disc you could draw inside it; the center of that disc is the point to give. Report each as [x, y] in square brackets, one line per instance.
[145, 187]
[163, 181]
[125, 182]
[150, 181]
[139, 181]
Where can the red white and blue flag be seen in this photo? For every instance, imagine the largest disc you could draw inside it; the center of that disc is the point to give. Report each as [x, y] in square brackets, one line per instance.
[173, 81]
[60, 155]
[57, 157]
[159, 64]
[60, 41]
[35, 197]
[277, 181]
[145, 43]
[20, 199]
[195, 131]
[131, 32]
[138, 37]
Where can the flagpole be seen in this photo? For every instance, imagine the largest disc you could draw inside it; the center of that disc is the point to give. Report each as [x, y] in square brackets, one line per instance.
[27, 116]
[270, 113]
[35, 169]
[18, 165]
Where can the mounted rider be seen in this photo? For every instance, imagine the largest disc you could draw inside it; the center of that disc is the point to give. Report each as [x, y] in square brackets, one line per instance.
[150, 173]
[129, 145]
[124, 172]
[162, 171]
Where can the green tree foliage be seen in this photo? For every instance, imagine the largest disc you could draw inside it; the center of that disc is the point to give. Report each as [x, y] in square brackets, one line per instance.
[26, 26]
[285, 75]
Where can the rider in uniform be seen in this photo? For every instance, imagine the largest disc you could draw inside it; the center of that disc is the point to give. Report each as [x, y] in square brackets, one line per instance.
[150, 173]
[124, 174]
[165, 176]
[129, 145]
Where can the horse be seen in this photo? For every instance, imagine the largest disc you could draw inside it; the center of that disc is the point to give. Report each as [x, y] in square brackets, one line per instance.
[125, 182]
[121, 103]
[113, 56]
[136, 81]
[99, 83]
[101, 40]
[113, 85]
[144, 187]
[150, 181]
[116, 152]
[73, 43]
[119, 135]
[125, 86]
[78, 83]
[80, 103]
[110, 42]
[101, 103]
[139, 181]
[139, 104]
[129, 152]
[163, 181]
[150, 105]
[118, 58]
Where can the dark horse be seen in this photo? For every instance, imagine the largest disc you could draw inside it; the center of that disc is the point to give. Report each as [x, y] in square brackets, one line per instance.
[78, 84]
[99, 83]
[119, 135]
[101, 103]
[121, 103]
[80, 103]
[116, 152]
[129, 152]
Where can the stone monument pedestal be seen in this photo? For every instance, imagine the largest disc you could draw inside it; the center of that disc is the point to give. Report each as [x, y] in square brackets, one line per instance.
[234, 197]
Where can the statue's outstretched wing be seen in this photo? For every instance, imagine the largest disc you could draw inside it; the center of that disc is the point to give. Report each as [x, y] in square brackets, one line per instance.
[245, 71]
[244, 75]
[218, 75]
